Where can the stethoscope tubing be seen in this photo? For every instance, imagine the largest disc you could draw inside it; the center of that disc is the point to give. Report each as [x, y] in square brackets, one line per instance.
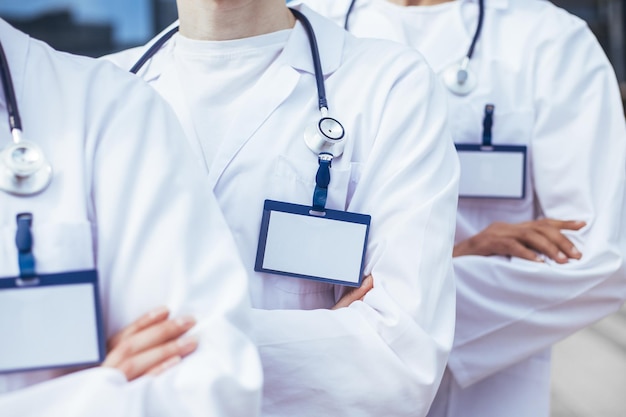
[315, 54]
[318, 140]
[15, 121]
[153, 50]
[475, 38]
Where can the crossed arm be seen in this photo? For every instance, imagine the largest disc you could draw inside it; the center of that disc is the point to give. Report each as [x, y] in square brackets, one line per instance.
[156, 342]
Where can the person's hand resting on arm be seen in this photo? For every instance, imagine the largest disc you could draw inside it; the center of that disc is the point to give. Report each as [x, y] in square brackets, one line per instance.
[151, 344]
[532, 240]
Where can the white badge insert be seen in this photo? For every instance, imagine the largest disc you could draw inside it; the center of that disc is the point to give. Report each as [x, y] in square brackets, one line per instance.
[492, 171]
[52, 322]
[297, 242]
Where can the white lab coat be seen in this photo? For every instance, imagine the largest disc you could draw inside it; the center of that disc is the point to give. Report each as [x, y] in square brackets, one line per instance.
[382, 356]
[125, 199]
[555, 92]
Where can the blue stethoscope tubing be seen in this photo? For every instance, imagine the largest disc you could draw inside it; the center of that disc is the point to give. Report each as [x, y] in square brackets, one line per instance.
[327, 136]
[457, 78]
[15, 121]
[24, 170]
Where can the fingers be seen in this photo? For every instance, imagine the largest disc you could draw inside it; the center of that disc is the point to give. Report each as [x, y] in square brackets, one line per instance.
[356, 294]
[518, 250]
[562, 249]
[150, 345]
[153, 336]
[170, 363]
[156, 360]
[157, 315]
[566, 224]
[530, 240]
[366, 286]
[544, 242]
[161, 333]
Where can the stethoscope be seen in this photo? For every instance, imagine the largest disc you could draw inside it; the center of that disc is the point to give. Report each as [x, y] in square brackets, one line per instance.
[24, 170]
[327, 136]
[458, 77]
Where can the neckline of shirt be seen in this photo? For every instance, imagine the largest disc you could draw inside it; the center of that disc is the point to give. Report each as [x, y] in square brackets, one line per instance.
[235, 48]
[424, 9]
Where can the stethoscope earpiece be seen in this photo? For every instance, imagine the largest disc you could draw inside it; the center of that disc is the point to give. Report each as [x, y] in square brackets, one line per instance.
[327, 135]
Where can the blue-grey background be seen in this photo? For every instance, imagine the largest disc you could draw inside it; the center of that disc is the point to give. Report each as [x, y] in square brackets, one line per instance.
[96, 27]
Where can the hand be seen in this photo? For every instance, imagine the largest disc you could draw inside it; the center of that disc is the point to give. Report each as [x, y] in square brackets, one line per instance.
[528, 240]
[150, 345]
[356, 294]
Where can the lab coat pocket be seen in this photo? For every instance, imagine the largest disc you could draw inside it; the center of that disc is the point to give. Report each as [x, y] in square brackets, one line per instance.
[63, 247]
[294, 181]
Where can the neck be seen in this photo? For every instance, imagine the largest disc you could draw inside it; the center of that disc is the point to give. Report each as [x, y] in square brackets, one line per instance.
[418, 2]
[219, 20]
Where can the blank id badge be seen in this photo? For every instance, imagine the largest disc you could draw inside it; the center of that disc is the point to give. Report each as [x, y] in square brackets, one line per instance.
[50, 321]
[325, 246]
[497, 171]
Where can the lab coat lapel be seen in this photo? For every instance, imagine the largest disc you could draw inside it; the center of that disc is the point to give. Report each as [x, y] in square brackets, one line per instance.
[258, 104]
[169, 83]
[277, 84]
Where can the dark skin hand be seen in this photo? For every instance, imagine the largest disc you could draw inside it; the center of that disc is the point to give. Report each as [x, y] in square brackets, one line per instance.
[150, 345]
[528, 240]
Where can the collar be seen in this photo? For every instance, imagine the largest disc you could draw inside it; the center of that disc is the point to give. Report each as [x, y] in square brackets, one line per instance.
[297, 53]
[493, 4]
[330, 41]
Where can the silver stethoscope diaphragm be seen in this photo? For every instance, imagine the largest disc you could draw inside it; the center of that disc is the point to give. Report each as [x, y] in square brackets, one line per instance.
[24, 169]
[327, 135]
[459, 78]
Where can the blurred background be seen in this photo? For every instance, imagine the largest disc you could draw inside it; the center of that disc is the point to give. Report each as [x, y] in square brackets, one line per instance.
[589, 371]
[90, 27]
[98, 27]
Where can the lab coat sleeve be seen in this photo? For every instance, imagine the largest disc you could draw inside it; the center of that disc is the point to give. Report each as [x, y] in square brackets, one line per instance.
[161, 240]
[508, 310]
[386, 354]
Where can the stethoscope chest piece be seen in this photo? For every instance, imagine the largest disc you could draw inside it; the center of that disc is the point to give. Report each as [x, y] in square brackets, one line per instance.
[24, 169]
[327, 135]
[460, 79]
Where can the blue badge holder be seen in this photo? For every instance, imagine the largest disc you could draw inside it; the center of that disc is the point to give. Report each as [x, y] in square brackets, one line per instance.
[50, 321]
[300, 242]
[492, 171]
[496, 172]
